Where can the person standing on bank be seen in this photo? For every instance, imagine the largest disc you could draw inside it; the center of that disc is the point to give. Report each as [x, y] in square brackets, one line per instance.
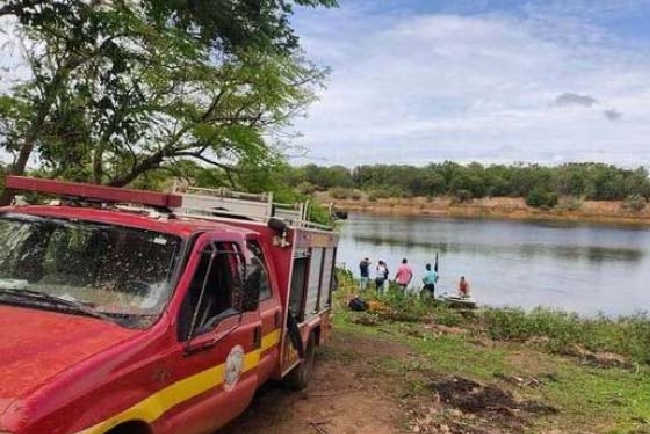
[430, 279]
[404, 275]
[380, 276]
[386, 286]
[364, 274]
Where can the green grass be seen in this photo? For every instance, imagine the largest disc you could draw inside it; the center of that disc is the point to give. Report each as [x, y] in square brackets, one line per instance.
[590, 399]
[627, 336]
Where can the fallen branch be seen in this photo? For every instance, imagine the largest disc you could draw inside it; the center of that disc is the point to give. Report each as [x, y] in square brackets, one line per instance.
[317, 427]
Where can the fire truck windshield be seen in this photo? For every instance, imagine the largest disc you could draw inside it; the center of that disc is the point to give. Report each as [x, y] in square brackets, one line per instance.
[123, 274]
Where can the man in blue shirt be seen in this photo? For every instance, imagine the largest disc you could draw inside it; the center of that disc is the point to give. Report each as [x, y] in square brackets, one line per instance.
[430, 279]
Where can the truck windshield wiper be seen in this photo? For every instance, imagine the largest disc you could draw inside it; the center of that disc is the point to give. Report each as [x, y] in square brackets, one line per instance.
[71, 306]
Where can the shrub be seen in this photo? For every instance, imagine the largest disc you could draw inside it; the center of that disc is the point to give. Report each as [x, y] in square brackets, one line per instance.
[306, 188]
[538, 197]
[570, 204]
[379, 193]
[627, 336]
[340, 193]
[634, 203]
[463, 196]
[355, 195]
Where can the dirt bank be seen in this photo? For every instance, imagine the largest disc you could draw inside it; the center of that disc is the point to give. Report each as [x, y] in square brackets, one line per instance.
[345, 397]
[498, 208]
[392, 377]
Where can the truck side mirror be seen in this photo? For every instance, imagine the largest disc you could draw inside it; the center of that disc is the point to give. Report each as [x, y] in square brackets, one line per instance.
[251, 295]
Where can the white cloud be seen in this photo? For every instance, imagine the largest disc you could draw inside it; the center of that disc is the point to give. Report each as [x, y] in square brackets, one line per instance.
[417, 87]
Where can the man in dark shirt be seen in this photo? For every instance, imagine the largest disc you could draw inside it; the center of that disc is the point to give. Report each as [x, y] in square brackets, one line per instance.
[363, 272]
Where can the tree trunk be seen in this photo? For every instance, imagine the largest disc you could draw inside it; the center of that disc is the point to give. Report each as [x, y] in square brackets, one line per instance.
[98, 168]
[18, 168]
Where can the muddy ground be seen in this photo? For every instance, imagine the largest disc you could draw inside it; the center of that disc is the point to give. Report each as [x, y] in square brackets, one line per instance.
[353, 392]
[343, 398]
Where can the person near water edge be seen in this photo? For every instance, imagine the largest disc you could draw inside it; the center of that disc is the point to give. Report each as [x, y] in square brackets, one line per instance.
[386, 286]
[430, 279]
[404, 275]
[364, 273]
[380, 276]
[463, 287]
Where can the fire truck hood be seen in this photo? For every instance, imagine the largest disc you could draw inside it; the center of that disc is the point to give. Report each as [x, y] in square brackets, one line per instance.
[37, 345]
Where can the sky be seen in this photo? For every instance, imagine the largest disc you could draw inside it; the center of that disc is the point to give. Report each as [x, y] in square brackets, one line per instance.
[494, 81]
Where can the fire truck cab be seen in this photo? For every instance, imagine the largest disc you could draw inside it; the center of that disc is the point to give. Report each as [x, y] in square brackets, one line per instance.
[134, 312]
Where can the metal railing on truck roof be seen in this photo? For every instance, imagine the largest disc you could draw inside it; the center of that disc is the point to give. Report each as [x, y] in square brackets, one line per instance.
[225, 203]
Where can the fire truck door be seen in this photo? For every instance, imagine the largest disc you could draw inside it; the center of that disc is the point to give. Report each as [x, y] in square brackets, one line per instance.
[270, 312]
[216, 369]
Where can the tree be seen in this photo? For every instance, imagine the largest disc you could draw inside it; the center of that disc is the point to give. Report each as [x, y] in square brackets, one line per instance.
[228, 26]
[116, 93]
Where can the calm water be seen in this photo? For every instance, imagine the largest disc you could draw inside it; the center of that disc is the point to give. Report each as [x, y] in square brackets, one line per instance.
[587, 269]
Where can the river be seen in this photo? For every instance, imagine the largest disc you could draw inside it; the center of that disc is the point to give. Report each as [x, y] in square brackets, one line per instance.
[580, 268]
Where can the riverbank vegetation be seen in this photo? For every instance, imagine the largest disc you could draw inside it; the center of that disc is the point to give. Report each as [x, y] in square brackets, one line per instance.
[540, 186]
[506, 370]
[132, 93]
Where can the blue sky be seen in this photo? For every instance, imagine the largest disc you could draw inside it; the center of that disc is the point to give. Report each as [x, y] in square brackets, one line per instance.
[493, 81]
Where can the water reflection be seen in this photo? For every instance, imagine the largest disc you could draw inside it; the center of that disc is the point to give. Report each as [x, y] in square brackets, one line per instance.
[591, 253]
[565, 265]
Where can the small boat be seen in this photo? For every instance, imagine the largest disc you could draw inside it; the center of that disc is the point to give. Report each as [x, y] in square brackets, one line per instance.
[457, 302]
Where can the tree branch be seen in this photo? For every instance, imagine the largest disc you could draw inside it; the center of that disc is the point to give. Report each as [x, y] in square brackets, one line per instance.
[199, 156]
[148, 163]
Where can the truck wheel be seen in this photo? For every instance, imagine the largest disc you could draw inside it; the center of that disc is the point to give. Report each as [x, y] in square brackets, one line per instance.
[299, 377]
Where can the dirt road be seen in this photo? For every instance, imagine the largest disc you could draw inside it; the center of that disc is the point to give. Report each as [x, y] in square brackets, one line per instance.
[344, 396]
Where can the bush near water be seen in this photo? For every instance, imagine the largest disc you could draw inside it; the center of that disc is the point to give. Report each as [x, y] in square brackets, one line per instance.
[553, 330]
[539, 185]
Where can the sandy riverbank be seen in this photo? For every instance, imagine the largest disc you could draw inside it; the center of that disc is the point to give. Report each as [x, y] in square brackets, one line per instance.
[495, 208]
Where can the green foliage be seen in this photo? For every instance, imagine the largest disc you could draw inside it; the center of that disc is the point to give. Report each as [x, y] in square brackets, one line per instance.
[570, 204]
[122, 90]
[539, 197]
[380, 193]
[306, 188]
[592, 181]
[340, 193]
[235, 25]
[228, 26]
[627, 336]
[553, 330]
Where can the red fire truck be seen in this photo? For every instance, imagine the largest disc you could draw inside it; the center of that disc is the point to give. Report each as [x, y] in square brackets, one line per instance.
[126, 311]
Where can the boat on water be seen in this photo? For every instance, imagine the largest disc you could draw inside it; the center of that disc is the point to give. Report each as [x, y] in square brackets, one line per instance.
[457, 301]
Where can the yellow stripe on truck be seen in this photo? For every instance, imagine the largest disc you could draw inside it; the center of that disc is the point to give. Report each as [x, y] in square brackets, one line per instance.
[270, 340]
[152, 408]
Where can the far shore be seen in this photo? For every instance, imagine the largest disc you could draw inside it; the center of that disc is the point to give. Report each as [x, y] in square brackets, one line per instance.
[493, 208]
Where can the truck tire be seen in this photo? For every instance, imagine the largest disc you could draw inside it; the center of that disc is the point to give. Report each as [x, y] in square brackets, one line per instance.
[299, 377]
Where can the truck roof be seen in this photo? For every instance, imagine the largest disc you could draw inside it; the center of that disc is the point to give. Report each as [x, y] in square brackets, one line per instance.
[177, 226]
[184, 210]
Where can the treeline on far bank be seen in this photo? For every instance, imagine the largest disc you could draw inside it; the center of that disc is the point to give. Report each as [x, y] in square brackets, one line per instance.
[539, 185]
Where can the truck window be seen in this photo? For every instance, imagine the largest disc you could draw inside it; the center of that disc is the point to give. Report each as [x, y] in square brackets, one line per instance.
[218, 274]
[123, 273]
[258, 263]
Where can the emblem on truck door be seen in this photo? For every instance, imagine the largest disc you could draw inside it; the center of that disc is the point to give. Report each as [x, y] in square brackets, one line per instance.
[233, 367]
